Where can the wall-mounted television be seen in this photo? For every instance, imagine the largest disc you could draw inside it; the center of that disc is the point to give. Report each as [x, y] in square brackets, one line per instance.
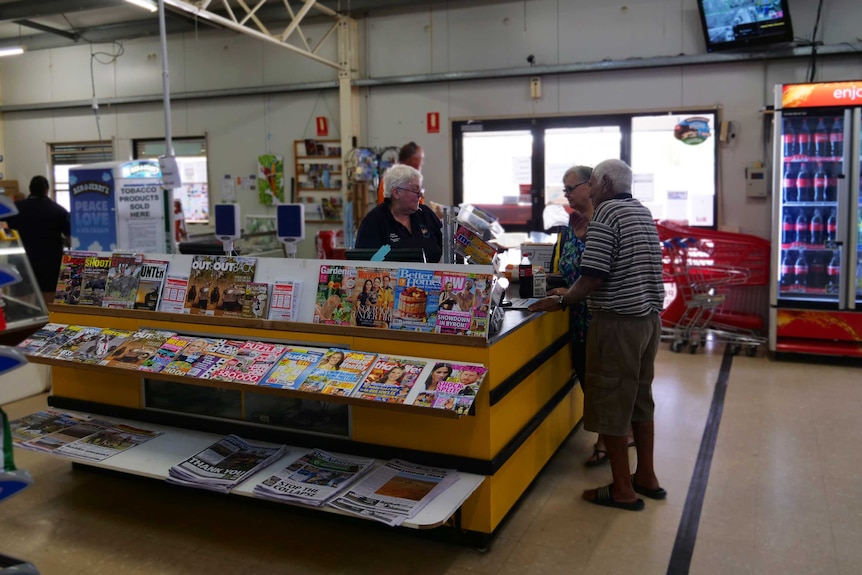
[729, 24]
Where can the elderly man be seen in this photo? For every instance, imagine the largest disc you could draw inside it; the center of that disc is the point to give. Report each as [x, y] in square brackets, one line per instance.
[621, 272]
[401, 221]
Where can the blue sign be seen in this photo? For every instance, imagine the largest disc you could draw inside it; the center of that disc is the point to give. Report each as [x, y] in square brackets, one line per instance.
[93, 213]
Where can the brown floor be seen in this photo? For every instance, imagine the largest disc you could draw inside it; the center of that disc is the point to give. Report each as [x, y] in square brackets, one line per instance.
[784, 496]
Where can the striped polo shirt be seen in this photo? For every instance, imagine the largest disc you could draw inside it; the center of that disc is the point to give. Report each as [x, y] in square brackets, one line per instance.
[623, 249]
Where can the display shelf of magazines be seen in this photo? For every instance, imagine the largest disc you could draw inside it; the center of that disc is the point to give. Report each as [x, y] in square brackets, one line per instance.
[395, 492]
[335, 374]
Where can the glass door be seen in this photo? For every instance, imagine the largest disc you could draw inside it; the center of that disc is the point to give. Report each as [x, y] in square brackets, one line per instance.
[855, 236]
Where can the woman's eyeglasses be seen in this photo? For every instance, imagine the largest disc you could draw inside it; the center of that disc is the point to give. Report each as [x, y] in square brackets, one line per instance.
[570, 189]
[418, 191]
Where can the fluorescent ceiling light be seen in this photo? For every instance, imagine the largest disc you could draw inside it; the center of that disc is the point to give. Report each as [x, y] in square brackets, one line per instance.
[148, 4]
[11, 51]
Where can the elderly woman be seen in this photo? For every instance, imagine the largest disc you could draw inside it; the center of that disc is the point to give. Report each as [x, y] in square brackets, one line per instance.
[401, 221]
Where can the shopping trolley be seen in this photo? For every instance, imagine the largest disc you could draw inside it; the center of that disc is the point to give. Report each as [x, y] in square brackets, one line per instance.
[701, 269]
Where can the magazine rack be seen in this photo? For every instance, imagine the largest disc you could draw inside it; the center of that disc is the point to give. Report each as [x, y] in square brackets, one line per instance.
[23, 311]
[527, 405]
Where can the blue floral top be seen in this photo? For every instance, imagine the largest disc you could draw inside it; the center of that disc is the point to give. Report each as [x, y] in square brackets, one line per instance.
[571, 250]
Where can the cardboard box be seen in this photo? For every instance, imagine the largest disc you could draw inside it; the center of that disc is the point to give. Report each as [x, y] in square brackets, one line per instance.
[11, 189]
[539, 255]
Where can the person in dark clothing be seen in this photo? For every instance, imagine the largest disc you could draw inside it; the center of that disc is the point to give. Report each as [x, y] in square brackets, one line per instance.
[401, 221]
[44, 228]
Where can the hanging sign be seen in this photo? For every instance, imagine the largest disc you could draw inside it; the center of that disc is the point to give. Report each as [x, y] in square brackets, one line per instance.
[433, 122]
[322, 127]
[692, 131]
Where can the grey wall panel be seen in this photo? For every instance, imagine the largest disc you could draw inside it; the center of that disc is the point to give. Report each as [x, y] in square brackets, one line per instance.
[282, 66]
[26, 78]
[139, 70]
[219, 60]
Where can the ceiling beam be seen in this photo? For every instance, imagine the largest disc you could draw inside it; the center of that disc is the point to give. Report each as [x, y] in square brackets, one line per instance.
[42, 28]
[29, 9]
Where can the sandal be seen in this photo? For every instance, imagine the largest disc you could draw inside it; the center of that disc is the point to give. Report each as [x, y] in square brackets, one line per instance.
[657, 493]
[605, 497]
[599, 457]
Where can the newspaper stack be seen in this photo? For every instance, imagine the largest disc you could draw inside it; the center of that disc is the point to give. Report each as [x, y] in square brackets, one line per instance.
[395, 492]
[224, 464]
[314, 478]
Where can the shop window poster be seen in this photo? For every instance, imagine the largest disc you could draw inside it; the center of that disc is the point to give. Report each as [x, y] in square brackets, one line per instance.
[270, 179]
[93, 214]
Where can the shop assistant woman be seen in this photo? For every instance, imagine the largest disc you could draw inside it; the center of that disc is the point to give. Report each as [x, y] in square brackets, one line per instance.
[401, 221]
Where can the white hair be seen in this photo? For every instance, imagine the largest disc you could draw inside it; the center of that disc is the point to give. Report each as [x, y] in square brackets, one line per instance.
[583, 172]
[618, 173]
[398, 176]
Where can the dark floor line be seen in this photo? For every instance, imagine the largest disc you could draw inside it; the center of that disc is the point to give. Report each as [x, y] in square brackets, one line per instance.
[686, 535]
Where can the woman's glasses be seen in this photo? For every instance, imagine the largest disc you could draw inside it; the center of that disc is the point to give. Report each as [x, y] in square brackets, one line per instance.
[570, 189]
[418, 191]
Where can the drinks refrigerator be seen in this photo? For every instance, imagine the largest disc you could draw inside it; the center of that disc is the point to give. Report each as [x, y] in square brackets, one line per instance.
[816, 277]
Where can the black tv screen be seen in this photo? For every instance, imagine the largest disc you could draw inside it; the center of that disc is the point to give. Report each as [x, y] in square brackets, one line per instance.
[729, 24]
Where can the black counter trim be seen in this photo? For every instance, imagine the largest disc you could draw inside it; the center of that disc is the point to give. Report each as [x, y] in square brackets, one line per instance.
[514, 380]
[337, 444]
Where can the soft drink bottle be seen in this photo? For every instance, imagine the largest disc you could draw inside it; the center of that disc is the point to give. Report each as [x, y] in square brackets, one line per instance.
[804, 184]
[816, 237]
[831, 228]
[833, 273]
[787, 277]
[831, 185]
[800, 271]
[822, 148]
[802, 230]
[791, 193]
[817, 272]
[836, 138]
[804, 140]
[789, 139]
[788, 228]
[821, 182]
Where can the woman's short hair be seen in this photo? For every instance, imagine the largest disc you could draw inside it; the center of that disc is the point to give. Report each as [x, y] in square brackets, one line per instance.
[583, 173]
[407, 151]
[399, 176]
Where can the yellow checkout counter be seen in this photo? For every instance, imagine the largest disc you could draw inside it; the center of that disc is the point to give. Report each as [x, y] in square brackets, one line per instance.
[526, 407]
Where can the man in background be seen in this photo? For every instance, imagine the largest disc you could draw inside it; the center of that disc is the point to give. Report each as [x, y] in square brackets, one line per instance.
[45, 229]
[411, 154]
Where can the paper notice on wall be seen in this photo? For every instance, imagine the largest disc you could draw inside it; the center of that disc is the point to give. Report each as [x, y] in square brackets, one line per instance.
[140, 214]
[522, 170]
[643, 187]
[702, 209]
[228, 190]
[677, 206]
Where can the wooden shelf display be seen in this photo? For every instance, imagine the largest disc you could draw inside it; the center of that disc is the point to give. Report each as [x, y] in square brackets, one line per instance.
[319, 177]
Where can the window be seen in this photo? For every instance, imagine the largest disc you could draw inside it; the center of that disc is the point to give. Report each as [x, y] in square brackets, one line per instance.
[191, 154]
[71, 155]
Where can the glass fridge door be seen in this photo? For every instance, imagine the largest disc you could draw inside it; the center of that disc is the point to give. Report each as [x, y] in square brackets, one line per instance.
[812, 196]
[855, 236]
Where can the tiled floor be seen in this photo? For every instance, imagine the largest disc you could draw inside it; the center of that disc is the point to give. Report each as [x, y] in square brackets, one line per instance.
[784, 496]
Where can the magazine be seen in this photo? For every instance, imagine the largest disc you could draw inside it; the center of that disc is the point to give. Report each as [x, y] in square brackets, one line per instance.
[106, 342]
[253, 361]
[217, 284]
[417, 296]
[469, 245]
[42, 423]
[463, 303]
[373, 297]
[395, 492]
[255, 300]
[71, 274]
[450, 386]
[151, 283]
[66, 343]
[37, 341]
[225, 464]
[137, 349]
[166, 354]
[314, 478]
[215, 357]
[338, 372]
[93, 281]
[107, 442]
[121, 285]
[53, 441]
[285, 298]
[174, 294]
[335, 286]
[391, 379]
[293, 367]
[183, 360]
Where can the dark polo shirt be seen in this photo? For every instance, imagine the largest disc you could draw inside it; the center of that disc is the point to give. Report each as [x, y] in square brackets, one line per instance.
[379, 227]
[42, 224]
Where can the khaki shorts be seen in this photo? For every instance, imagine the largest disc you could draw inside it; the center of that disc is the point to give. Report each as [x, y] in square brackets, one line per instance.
[621, 352]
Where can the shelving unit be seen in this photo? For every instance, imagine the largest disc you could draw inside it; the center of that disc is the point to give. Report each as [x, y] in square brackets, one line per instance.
[319, 178]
